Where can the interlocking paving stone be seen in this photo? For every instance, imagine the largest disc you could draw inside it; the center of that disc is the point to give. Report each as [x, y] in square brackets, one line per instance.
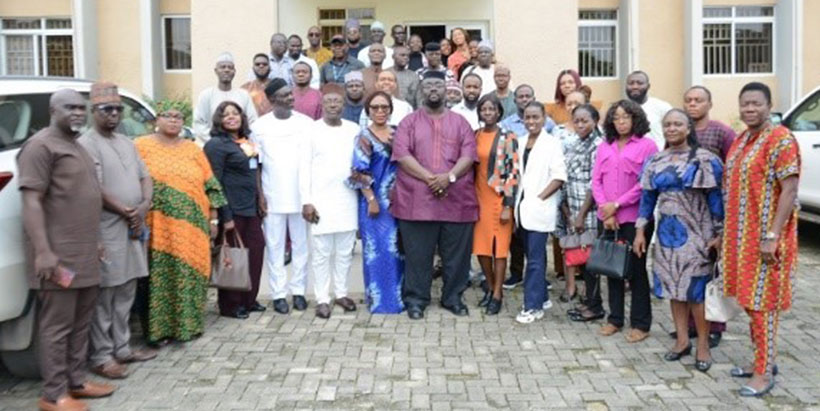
[359, 361]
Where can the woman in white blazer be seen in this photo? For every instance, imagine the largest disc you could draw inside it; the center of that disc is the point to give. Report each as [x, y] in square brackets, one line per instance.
[543, 172]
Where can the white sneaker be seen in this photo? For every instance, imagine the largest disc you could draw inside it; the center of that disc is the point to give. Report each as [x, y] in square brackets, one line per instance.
[547, 305]
[528, 316]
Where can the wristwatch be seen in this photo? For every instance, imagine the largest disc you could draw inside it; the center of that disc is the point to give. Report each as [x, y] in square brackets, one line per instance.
[452, 178]
[770, 236]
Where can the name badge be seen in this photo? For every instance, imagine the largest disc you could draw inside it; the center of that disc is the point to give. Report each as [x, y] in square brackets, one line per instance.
[253, 163]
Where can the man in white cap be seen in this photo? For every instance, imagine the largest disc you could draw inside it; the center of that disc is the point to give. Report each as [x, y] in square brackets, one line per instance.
[485, 67]
[211, 97]
[377, 36]
[354, 96]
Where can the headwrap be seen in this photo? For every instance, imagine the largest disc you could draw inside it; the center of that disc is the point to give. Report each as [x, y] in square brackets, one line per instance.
[354, 76]
[433, 74]
[103, 92]
[274, 86]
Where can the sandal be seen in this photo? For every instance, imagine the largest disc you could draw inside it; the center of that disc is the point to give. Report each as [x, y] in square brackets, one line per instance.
[636, 335]
[608, 329]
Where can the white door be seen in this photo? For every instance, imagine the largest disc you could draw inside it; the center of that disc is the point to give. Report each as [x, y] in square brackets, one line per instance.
[804, 121]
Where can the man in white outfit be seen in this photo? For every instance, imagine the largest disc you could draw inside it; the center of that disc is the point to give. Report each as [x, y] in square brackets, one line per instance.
[637, 89]
[328, 203]
[210, 98]
[280, 136]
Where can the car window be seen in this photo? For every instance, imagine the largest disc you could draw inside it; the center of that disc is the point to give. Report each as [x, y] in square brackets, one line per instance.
[22, 115]
[807, 116]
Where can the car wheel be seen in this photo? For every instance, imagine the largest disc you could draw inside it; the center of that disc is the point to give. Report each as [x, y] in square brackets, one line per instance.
[23, 363]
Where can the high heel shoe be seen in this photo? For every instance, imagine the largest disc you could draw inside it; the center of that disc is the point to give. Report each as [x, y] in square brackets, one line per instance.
[486, 299]
[675, 356]
[738, 372]
[493, 307]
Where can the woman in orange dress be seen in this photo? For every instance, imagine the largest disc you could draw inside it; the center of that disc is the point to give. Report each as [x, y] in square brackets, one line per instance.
[760, 229]
[496, 180]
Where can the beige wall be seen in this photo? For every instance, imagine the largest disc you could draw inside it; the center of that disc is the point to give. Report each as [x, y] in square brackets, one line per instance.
[298, 15]
[725, 91]
[174, 6]
[605, 91]
[741, 2]
[258, 21]
[176, 85]
[811, 50]
[118, 37]
[598, 4]
[513, 31]
[35, 8]
[661, 43]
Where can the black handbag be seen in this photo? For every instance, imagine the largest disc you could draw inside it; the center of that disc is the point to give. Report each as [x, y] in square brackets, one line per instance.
[610, 258]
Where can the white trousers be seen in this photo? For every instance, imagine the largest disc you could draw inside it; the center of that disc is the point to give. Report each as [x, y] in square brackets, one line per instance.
[276, 227]
[331, 259]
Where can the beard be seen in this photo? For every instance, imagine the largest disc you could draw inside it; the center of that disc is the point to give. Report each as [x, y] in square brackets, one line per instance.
[638, 98]
[434, 103]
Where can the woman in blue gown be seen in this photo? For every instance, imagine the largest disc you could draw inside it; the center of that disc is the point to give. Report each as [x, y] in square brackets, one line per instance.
[374, 175]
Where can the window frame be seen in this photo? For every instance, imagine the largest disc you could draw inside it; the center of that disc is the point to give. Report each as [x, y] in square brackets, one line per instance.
[165, 68]
[340, 23]
[733, 21]
[40, 48]
[603, 23]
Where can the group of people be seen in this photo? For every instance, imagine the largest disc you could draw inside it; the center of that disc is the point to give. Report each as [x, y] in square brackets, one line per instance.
[445, 161]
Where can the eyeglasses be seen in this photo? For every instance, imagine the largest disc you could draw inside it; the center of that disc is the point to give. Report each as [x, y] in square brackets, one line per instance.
[170, 116]
[110, 108]
[379, 107]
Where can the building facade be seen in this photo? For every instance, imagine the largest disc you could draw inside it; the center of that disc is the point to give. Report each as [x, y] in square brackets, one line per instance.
[152, 46]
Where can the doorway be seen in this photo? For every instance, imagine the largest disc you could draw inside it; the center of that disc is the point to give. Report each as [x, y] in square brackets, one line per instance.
[434, 31]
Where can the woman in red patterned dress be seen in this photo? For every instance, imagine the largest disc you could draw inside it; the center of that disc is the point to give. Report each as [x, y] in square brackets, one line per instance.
[760, 231]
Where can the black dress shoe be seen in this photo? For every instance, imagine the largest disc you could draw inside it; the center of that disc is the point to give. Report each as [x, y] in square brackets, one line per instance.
[486, 299]
[257, 308]
[714, 339]
[675, 356]
[692, 334]
[280, 305]
[299, 303]
[703, 366]
[240, 313]
[415, 313]
[493, 307]
[459, 310]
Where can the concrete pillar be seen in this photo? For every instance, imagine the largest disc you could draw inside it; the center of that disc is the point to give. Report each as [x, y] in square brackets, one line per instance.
[693, 46]
[210, 37]
[537, 39]
[150, 48]
[84, 21]
[788, 56]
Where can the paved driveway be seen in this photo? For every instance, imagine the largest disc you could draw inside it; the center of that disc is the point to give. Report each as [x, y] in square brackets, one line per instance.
[363, 361]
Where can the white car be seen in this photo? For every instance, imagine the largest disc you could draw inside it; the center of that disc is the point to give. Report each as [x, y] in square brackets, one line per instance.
[24, 111]
[804, 121]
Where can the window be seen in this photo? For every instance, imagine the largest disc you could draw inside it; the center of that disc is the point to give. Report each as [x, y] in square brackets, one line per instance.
[37, 47]
[332, 22]
[807, 116]
[597, 43]
[176, 40]
[738, 40]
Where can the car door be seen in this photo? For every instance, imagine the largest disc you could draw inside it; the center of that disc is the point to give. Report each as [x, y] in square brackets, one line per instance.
[804, 122]
[20, 117]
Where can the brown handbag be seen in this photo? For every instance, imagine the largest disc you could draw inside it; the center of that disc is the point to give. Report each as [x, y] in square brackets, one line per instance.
[230, 268]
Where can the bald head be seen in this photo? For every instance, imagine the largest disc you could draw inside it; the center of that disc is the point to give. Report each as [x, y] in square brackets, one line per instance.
[68, 111]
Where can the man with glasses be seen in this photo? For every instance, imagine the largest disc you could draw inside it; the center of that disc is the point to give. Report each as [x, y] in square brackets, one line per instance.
[126, 193]
[435, 198]
[256, 87]
[62, 203]
[210, 98]
[318, 53]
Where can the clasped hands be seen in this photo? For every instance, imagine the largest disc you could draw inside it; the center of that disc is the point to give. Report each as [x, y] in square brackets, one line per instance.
[438, 184]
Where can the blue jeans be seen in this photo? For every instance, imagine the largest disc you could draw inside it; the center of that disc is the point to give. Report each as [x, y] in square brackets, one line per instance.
[535, 282]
